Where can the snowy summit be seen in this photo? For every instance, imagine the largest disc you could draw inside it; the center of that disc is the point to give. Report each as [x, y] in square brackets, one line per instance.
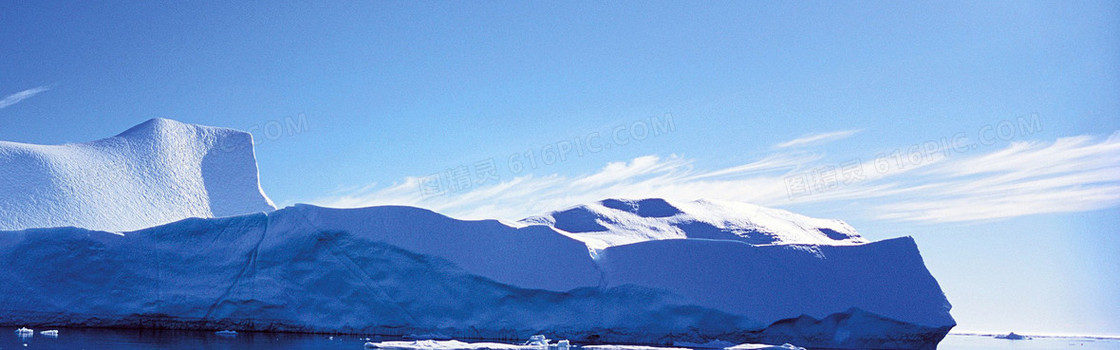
[613, 222]
[154, 173]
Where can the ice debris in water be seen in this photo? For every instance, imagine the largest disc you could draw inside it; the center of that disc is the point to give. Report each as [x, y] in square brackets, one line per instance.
[53, 333]
[750, 346]
[538, 340]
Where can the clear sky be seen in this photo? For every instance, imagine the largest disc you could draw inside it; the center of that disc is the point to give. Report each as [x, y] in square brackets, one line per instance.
[988, 131]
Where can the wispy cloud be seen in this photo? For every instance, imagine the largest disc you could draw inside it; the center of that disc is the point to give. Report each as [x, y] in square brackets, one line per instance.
[1069, 174]
[647, 176]
[22, 95]
[816, 139]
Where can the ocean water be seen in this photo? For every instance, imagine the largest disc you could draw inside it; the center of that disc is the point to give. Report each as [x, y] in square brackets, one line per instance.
[972, 342]
[132, 339]
[136, 339]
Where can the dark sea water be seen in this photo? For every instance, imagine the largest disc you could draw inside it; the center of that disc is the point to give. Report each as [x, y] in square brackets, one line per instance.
[129, 339]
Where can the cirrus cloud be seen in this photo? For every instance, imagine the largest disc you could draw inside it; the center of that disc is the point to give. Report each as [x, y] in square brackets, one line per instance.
[1024, 178]
[22, 95]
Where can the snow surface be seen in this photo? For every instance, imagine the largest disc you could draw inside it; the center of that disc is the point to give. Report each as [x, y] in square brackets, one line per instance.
[154, 173]
[614, 222]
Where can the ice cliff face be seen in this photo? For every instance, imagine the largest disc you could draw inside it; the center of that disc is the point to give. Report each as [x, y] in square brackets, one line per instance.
[155, 173]
[647, 271]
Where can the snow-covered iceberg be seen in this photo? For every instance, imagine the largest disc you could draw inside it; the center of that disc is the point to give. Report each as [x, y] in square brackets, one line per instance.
[154, 173]
[651, 271]
[402, 270]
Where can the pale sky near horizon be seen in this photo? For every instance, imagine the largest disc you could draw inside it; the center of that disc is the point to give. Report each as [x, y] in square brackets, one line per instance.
[988, 131]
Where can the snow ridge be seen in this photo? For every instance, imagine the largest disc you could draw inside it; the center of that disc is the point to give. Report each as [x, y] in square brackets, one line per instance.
[154, 173]
[614, 222]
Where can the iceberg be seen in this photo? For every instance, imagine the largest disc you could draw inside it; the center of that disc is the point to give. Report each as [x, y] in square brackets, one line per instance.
[537, 341]
[647, 271]
[1012, 336]
[401, 270]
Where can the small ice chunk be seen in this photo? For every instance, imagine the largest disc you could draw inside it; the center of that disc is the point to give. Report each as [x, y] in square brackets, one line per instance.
[25, 333]
[563, 345]
[53, 333]
[445, 345]
[750, 346]
[537, 340]
[711, 344]
[227, 333]
[1012, 336]
[629, 347]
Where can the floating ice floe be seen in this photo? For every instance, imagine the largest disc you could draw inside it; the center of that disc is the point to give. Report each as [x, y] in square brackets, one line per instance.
[1012, 336]
[445, 345]
[629, 347]
[537, 341]
[25, 333]
[53, 333]
[786, 346]
[714, 344]
[227, 333]
[748, 346]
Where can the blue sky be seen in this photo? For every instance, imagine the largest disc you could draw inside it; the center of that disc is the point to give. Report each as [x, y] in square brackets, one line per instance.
[986, 130]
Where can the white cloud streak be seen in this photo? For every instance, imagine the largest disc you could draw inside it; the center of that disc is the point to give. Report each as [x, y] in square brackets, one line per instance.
[817, 139]
[22, 95]
[1067, 175]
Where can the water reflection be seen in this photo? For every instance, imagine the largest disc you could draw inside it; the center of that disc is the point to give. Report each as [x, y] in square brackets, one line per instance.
[135, 339]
